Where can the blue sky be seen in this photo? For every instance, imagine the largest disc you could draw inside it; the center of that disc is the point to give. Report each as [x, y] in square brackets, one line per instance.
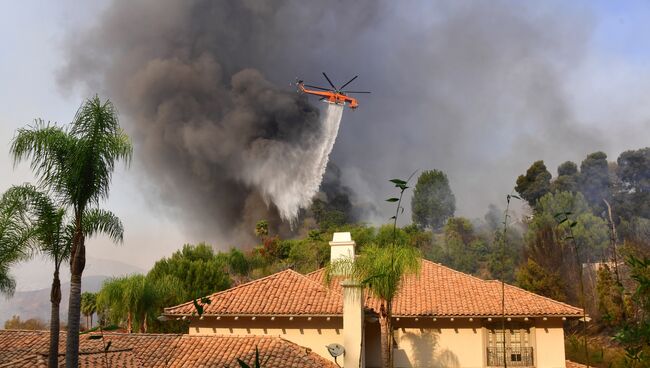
[611, 86]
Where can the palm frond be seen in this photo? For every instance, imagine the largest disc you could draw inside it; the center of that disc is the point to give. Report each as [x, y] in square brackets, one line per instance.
[96, 221]
[379, 268]
[7, 283]
[45, 221]
[16, 235]
[48, 146]
[100, 144]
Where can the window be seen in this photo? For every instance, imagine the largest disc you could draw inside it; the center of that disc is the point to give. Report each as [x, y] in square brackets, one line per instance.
[518, 348]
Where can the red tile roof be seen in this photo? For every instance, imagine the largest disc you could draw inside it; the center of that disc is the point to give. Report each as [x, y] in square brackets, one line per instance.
[283, 293]
[436, 291]
[113, 359]
[29, 348]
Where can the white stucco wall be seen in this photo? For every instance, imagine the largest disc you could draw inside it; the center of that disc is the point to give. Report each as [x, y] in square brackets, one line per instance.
[460, 344]
[439, 344]
[422, 343]
[549, 341]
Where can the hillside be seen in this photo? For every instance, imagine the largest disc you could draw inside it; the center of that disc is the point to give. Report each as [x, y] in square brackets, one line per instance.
[36, 303]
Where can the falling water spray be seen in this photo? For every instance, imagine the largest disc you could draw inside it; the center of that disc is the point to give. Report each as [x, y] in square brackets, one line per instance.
[290, 176]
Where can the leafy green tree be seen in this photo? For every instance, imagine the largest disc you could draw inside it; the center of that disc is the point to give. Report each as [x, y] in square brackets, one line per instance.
[592, 236]
[309, 254]
[464, 250]
[15, 323]
[433, 202]
[635, 334]
[634, 174]
[77, 164]
[535, 278]
[610, 298]
[634, 169]
[197, 268]
[386, 235]
[420, 239]
[567, 178]
[534, 184]
[595, 181]
[88, 307]
[238, 264]
[51, 235]
[545, 242]
[327, 215]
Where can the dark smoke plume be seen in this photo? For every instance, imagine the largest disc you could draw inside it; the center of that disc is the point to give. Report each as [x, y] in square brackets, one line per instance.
[471, 88]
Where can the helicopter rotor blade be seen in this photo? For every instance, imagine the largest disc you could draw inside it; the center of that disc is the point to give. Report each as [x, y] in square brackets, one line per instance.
[350, 81]
[316, 87]
[355, 92]
[329, 81]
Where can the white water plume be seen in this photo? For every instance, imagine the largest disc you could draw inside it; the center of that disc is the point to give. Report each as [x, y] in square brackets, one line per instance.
[290, 176]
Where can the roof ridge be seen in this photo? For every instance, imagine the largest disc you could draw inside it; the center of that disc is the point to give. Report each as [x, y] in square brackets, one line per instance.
[136, 334]
[328, 289]
[23, 330]
[235, 287]
[312, 272]
[538, 295]
[454, 271]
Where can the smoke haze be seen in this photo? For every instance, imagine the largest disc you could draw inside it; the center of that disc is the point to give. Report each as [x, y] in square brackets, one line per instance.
[471, 88]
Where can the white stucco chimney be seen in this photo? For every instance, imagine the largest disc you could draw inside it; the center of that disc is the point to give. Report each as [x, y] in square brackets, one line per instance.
[341, 246]
[353, 341]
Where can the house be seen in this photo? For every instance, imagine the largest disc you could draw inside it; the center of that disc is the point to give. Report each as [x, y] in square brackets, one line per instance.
[30, 349]
[442, 318]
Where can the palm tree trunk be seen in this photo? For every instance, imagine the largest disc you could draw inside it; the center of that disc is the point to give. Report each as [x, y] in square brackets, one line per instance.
[129, 322]
[77, 264]
[386, 329]
[55, 299]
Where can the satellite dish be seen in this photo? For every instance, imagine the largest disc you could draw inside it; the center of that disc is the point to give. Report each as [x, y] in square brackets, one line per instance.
[335, 350]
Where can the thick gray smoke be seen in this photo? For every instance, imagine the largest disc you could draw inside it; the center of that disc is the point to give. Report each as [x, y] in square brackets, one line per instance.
[471, 88]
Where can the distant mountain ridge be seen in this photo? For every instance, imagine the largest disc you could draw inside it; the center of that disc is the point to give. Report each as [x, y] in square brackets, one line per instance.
[36, 303]
[37, 273]
[34, 280]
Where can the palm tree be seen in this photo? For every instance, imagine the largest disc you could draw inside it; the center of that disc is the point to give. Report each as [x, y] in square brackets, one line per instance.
[128, 299]
[381, 269]
[77, 164]
[14, 239]
[51, 235]
[88, 307]
[110, 300]
[136, 300]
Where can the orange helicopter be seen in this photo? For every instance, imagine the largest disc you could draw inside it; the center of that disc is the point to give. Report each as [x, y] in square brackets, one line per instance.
[334, 95]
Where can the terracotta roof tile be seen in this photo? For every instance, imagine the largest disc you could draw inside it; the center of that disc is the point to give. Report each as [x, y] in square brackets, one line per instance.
[283, 293]
[441, 291]
[436, 291]
[159, 350]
